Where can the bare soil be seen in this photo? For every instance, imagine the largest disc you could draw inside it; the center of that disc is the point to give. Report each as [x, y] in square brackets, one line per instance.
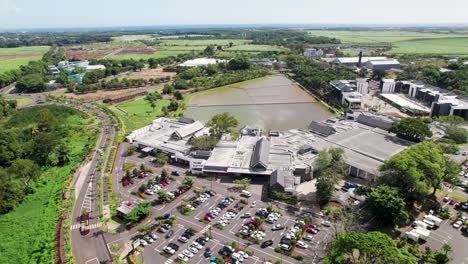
[86, 54]
[148, 74]
[136, 50]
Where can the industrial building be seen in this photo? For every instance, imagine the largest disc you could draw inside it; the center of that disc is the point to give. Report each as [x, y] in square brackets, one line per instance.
[312, 52]
[283, 159]
[348, 93]
[418, 98]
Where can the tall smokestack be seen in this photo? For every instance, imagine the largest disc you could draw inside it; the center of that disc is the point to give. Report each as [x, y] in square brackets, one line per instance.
[360, 59]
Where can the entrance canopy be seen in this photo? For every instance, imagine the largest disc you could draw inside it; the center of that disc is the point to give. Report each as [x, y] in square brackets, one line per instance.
[147, 149]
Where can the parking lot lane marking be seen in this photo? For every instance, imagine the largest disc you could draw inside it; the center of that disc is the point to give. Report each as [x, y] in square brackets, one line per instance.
[93, 259]
[192, 223]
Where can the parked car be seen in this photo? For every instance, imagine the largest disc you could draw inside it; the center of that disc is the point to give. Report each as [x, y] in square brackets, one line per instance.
[207, 253]
[182, 239]
[457, 224]
[302, 244]
[153, 236]
[277, 227]
[266, 244]
[183, 258]
[143, 242]
[453, 201]
[175, 173]
[169, 234]
[187, 253]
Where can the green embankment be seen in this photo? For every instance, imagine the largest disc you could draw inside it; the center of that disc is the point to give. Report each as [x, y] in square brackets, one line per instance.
[28, 232]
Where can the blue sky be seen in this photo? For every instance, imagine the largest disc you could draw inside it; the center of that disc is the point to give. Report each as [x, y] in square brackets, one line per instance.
[89, 13]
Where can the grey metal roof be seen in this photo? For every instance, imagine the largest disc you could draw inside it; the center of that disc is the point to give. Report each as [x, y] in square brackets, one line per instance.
[202, 154]
[381, 122]
[321, 128]
[261, 153]
[186, 120]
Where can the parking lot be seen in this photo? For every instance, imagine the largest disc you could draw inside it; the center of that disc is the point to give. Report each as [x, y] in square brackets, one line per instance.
[151, 253]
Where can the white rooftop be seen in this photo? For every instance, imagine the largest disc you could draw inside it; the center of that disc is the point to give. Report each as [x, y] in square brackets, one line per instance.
[405, 102]
[201, 62]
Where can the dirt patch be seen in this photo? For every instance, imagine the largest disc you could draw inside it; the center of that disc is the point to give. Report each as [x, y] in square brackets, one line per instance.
[148, 74]
[20, 55]
[86, 54]
[136, 50]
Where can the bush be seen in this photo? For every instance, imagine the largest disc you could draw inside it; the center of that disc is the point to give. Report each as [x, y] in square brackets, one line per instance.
[440, 257]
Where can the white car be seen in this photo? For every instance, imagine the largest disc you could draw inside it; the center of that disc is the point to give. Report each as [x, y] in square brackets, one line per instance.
[149, 192]
[457, 224]
[193, 250]
[308, 237]
[285, 247]
[189, 206]
[197, 246]
[169, 250]
[326, 223]
[183, 257]
[302, 244]
[188, 253]
[243, 254]
[143, 242]
[253, 204]
[182, 239]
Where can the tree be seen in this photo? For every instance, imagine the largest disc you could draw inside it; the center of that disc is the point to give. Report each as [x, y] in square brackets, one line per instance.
[378, 73]
[161, 158]
[209, 50]
[413, 129]
[178, 95]
[447, 248]
[387, 205]
[457, 134]
[241, 63]
[329, 170]
[173, 105]
[11, 192]
[371, 247]
[168, 89]
[152, 99]
[138, 213]
[440, 257]
[25, 170]
[188, 182]
[242, 183]
[222, 123]
[163, 196]
[205, 142]
[164, 174]
[31, 83]
[142, 167]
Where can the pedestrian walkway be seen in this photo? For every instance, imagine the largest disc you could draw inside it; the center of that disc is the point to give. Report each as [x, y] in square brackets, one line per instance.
[90, 227]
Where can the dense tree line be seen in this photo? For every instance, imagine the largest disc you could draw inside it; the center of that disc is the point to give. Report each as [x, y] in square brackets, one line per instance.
[7, 107]
[31, 139]
[316, 77]
[284, 37]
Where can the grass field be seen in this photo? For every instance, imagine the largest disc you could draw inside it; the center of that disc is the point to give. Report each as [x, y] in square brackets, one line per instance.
[156, 55]
[433, 46]
[381, 36]
[21, 101]
[256, 48]
[28, 232]
[126, 38]
[13, 58]
[137, 113]
[203, 42]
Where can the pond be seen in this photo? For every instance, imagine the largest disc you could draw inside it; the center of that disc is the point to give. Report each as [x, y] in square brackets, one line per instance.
[270, 103]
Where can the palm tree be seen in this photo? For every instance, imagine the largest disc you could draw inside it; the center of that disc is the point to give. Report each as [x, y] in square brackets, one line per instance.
[447, 248]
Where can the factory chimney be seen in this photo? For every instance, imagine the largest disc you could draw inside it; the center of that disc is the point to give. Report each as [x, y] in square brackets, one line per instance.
[360, 60]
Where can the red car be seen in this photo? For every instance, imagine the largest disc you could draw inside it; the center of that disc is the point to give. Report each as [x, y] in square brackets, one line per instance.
[311, 230]
[207, 218]
[453, 201]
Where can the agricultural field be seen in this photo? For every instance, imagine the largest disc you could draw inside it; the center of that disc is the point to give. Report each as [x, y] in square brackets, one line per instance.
[453, 46]
[382, 36]
[139, 55]
[202, 42]
[137, 113]
[28, 232]
[256, 48]
[13, 58]
[127, 38]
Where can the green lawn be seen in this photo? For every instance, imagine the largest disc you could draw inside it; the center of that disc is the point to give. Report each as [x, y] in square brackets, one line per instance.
[25, 55]
[22, 101]
[156, 55]
[28, 232]
[457, 197]
[19, 50]
[433, 46]
[381, 36]
[137, 113]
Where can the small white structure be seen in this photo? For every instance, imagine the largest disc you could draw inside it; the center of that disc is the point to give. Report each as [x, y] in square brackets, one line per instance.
[362, 86]
[436, 220]
[388, 86]
[201, 62]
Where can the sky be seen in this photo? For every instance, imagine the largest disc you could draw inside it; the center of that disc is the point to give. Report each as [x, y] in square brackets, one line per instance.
[100, 13]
